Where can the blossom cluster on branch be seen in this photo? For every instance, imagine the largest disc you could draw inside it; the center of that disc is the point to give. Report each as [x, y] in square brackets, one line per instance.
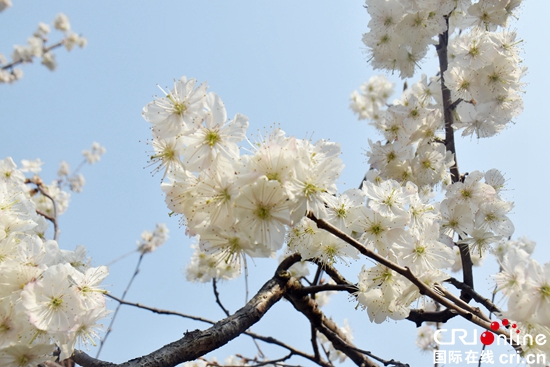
[50, 299]
[38, 47]
[252, 203]
[414, 214]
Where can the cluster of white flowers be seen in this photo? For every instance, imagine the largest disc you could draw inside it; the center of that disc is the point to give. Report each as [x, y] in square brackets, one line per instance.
[93, 155]
[485, 71]
[373, 97]
[50, 299]
[401, 30]
[204, 266]
[425, 338]
[37, 47]
[526, 285]
[413, 150]
[56, 189]
[150, 241]
[484, 67]
[236, 204]
[484, 77]
[251, 204]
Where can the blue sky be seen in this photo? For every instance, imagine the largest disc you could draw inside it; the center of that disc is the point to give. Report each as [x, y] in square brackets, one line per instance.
[287, 62]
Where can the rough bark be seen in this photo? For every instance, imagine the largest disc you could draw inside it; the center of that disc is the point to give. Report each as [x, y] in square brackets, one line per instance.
[197, 343]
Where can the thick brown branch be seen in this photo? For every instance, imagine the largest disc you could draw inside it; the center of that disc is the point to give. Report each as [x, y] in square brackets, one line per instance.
[420, 316]
[85, 360]
[406, 272]
[307, 306]
[467, 269]
[448, 107]
[334, 274]
[490, 306]
[266, 339]
[474, 310]
[197, 343]
[447, 103]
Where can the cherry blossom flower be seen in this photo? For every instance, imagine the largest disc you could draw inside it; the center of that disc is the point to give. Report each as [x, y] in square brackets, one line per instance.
[263, 211]
[177, 112]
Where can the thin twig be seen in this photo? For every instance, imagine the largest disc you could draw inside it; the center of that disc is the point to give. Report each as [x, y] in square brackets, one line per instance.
[328, 287]
[490, 314]
[314, 344]
[245, 280]
[53, 219]
[381, 360]
[455, 104]
[217, 295]
[437, 327]
[441, 48]
[44, 50]
[488, 304]
[256, 363]
[110, 328]
[445, 292]
[327, 354]
[122, 257]
[333, 273]
[48, 217]
[158, 310]
[260, 353]
[318, 274]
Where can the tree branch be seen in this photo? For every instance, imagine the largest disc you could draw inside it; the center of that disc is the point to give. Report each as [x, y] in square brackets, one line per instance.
[334, 274]
[383, 361]
[314, 344]
[307, 306]
[158, 310]
[448, 107]
[327, 287]
[44, 50]
[420, 316]
[265, 339]
[407, 273]
[217, 295]
[197, 343]
[488, 304]
[110, 328]
[447, 103]
[40, 187]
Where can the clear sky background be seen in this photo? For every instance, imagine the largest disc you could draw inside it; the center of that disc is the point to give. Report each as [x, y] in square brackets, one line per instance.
[288, 62]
